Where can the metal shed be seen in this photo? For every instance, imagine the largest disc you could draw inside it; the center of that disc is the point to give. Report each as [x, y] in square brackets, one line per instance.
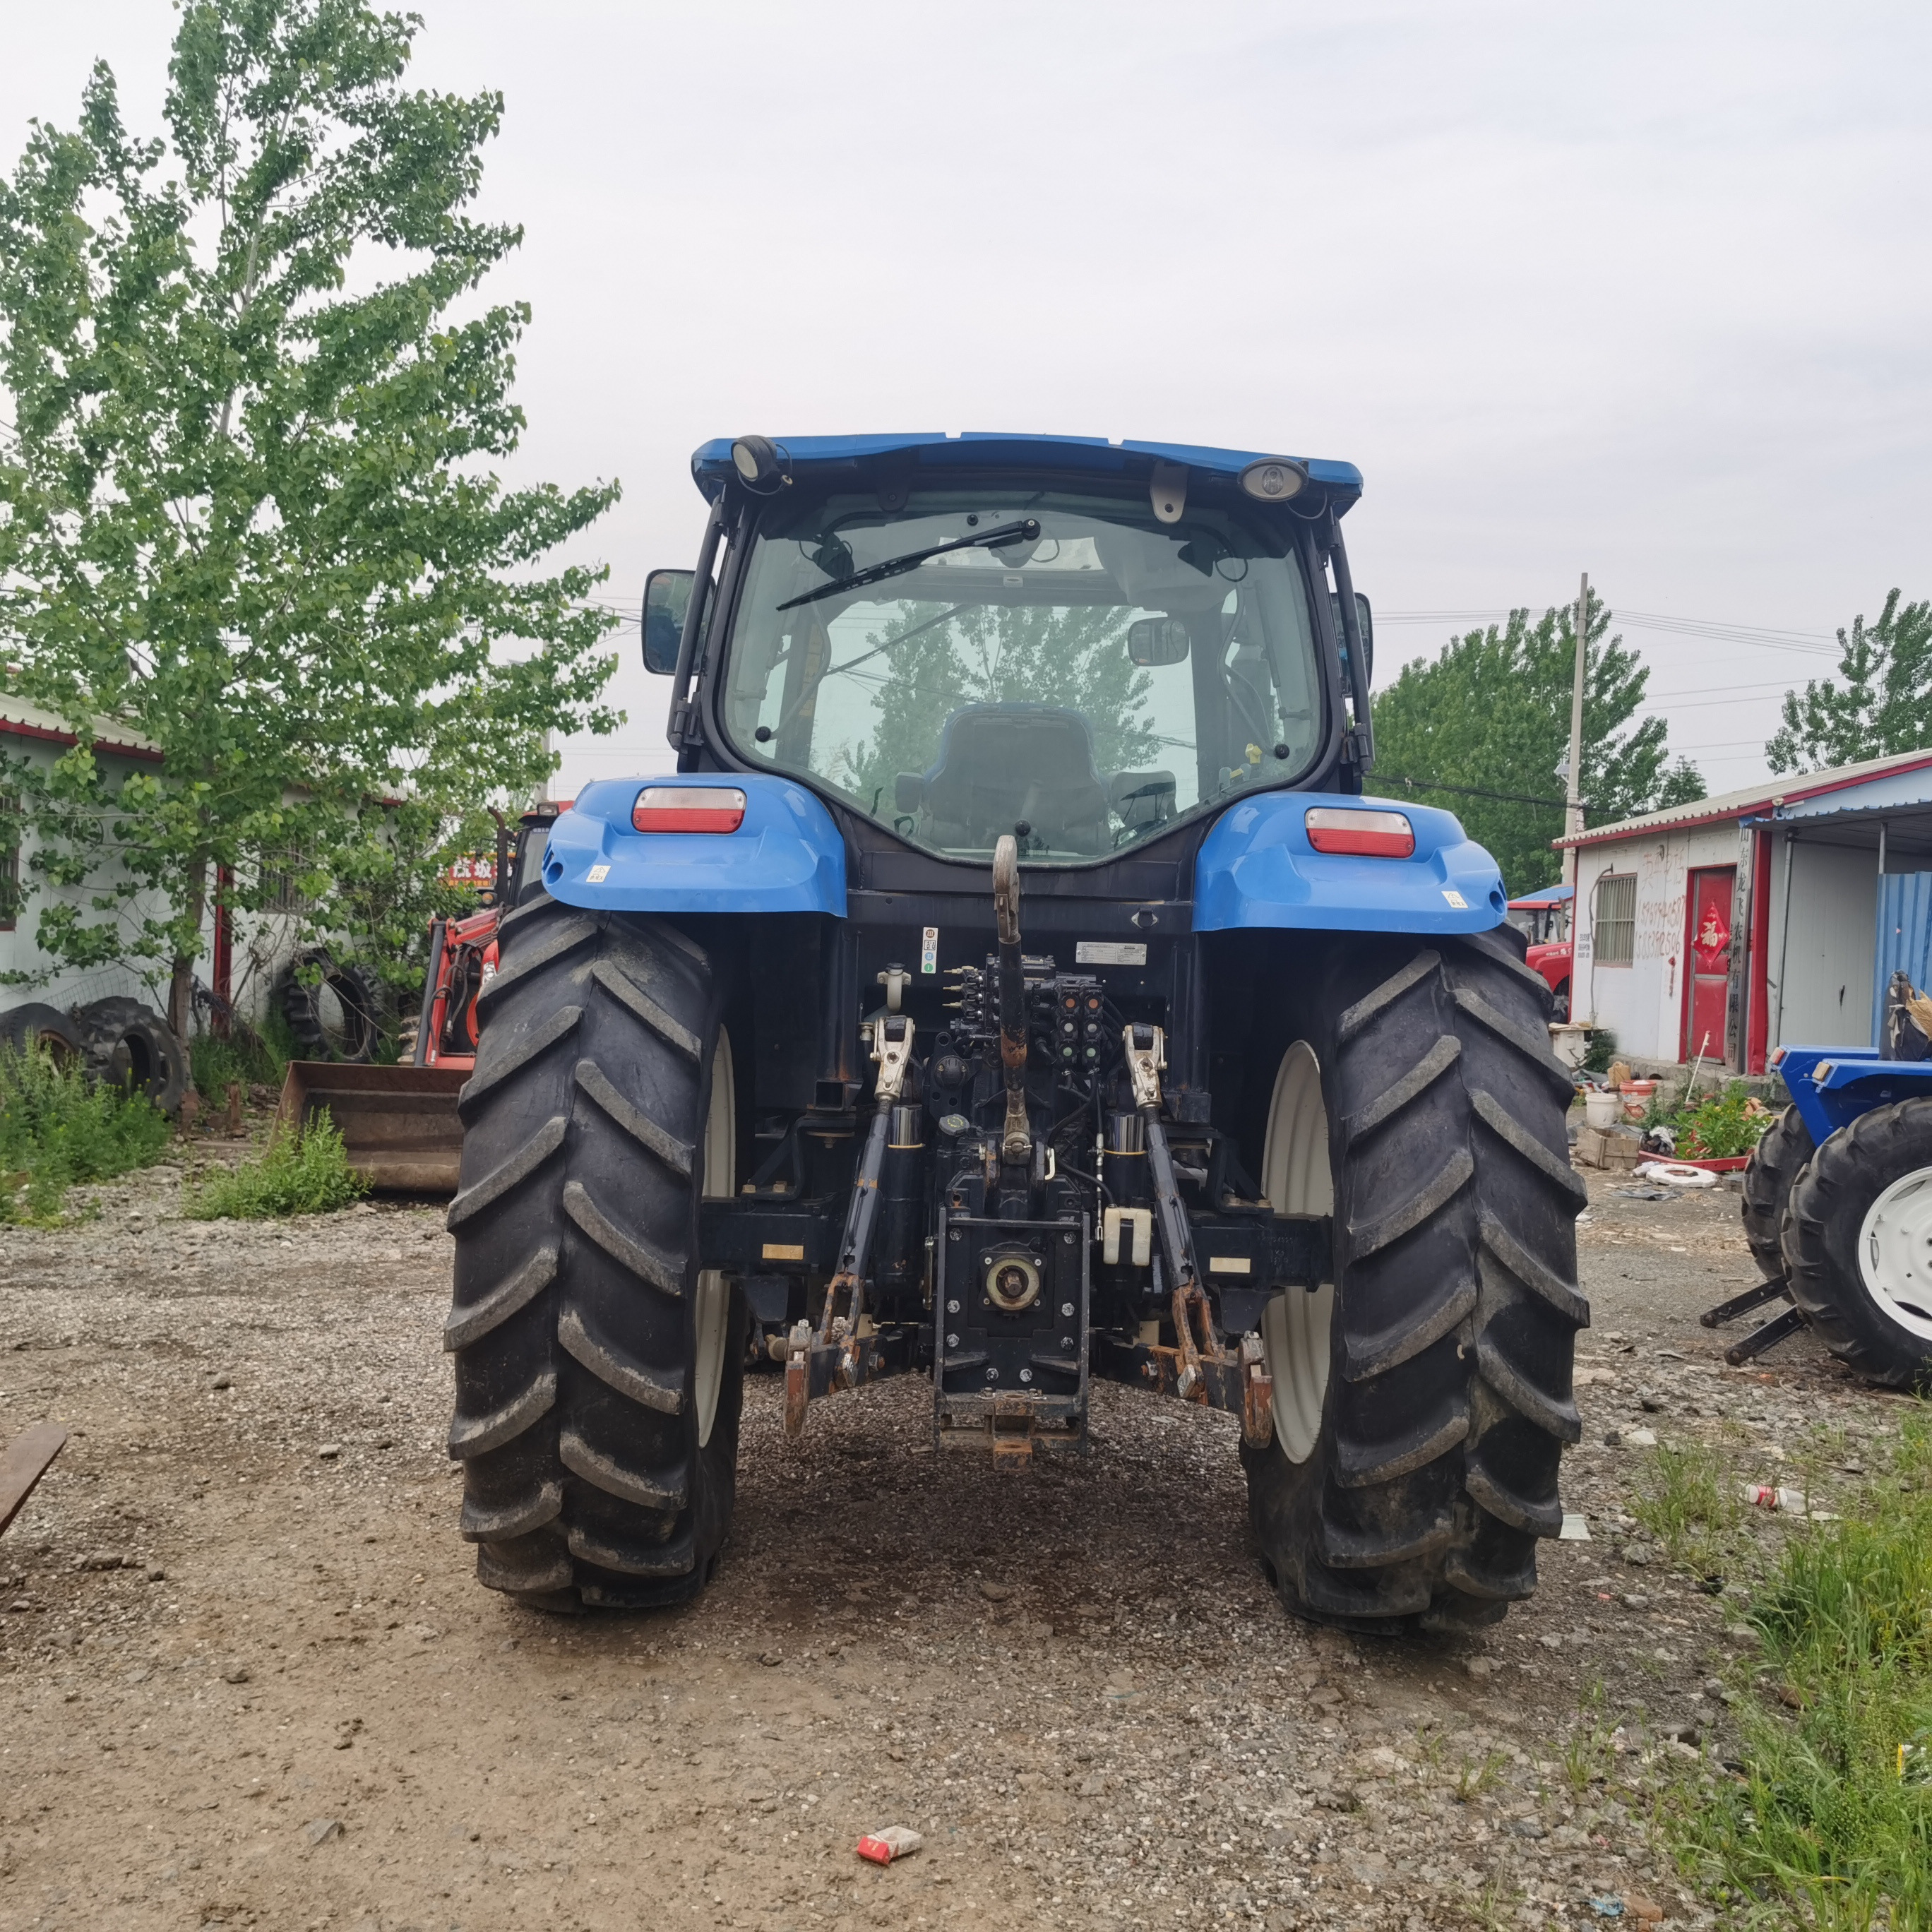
[1767, 916]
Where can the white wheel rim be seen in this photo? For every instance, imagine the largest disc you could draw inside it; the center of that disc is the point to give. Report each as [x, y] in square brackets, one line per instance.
[713, 1313]
[1895, 1251]
[1297, 1179]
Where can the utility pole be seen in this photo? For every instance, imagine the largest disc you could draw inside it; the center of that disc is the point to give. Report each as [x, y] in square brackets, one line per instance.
[1573, 790]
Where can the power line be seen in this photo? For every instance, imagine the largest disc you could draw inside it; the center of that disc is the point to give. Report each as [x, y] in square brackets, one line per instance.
[1474, 791]
[1725, 630]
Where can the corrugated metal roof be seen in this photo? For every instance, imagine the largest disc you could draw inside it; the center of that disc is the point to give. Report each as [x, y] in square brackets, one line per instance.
[1550, 895]
[21, 719]
[1765, 796]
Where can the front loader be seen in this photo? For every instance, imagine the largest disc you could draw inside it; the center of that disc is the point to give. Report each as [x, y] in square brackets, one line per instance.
[1013, 986]
[398, 1124]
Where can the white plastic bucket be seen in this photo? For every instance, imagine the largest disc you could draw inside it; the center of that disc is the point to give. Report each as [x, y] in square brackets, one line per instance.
[1601, 1109]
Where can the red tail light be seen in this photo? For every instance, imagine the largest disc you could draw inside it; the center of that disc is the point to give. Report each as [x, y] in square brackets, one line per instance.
[689, 808]
[1369, 835]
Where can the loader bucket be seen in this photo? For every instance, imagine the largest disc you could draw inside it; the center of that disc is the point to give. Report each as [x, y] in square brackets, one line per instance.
[398, 1124]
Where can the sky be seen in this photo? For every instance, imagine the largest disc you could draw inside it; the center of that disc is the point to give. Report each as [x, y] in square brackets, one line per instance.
[1639, 289]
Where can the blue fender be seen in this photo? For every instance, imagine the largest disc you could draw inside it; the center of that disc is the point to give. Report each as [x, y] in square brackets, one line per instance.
[1256, 868]
[786, 856]
[1831, 1086]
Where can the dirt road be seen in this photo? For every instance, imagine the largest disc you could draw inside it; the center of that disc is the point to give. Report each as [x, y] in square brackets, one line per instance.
[247, 1679]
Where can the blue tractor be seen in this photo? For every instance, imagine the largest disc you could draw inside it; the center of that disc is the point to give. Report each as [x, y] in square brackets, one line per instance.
[1837, 1200]
[1013, 986]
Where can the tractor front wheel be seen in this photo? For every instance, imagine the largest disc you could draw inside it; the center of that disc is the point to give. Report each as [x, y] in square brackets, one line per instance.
[598, 1372]
[1776, 1163]
[1858, 1244]
[1422, 1399]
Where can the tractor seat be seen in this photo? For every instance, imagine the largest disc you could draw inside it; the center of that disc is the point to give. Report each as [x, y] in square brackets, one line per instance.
[1000, 763]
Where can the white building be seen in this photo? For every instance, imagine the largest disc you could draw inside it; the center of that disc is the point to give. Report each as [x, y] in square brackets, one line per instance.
[242, 955]
[1768, 917]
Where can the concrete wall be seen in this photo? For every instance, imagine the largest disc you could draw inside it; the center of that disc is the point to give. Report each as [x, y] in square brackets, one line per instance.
[262, 942]
[49, 981]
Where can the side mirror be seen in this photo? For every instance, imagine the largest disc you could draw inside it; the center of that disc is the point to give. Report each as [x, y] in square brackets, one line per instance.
[667, 598]
[1365, 621]
[1156, 640]
[909, 791]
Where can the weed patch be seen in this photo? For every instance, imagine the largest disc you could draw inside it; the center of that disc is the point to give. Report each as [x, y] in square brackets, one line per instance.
[303, 1171]
[1689, 1502]
[1832, 1817]
[251, 1058]
[56, 1128]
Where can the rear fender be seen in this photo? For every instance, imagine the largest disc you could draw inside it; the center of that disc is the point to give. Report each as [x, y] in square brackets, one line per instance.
[1257, 868]
[786, 856]
[1831, 1086]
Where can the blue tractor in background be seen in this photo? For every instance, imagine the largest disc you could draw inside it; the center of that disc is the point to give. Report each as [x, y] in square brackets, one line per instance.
[1837, 1200]
[1011, 986]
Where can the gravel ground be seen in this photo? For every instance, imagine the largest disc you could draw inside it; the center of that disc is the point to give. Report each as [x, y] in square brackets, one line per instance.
[247, 1677]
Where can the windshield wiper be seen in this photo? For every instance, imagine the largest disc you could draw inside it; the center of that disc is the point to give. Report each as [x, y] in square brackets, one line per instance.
[1023, 529]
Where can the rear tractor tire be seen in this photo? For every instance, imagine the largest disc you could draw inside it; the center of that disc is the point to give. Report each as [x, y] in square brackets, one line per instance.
[1776, 1162]
[598, 1373]
[1423, 1400]
[1858, 1244]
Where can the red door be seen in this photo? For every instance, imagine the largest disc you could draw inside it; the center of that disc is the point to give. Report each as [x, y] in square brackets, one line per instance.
[1707, 945]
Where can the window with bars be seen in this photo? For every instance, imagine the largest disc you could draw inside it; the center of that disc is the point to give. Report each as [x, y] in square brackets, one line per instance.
[281, 875]
[1615, 923]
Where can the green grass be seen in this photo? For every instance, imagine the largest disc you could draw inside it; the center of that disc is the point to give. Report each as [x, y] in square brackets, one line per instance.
[1689, 1499]
[1821, 1829]
[302, 1172]
[1473, 1779]
[57, 1129]
[253, 1058]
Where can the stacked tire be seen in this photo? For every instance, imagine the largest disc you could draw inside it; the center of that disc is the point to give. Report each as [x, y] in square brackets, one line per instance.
[38, 1027]
[126, 1045]
[333, 1009]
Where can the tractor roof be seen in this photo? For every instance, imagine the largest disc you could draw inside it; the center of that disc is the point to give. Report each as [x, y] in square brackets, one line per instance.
[1341, 483]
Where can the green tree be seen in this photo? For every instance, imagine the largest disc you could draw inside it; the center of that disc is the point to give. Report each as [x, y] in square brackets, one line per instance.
[1492, 714]
[247, 506]
[1075, 657]
[1880, 703]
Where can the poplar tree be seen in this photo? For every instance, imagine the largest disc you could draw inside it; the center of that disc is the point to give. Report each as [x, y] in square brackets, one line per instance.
[1491, 716]
[249, 509]
[1880, 702]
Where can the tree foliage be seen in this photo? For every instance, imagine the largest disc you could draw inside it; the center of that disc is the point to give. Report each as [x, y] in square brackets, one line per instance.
[247, 511]
[1880, 702]
[1493, 714]
[1074, 656]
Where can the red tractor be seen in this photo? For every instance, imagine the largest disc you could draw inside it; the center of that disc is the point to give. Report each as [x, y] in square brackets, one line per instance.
[399, 1123]
[1544, 917]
